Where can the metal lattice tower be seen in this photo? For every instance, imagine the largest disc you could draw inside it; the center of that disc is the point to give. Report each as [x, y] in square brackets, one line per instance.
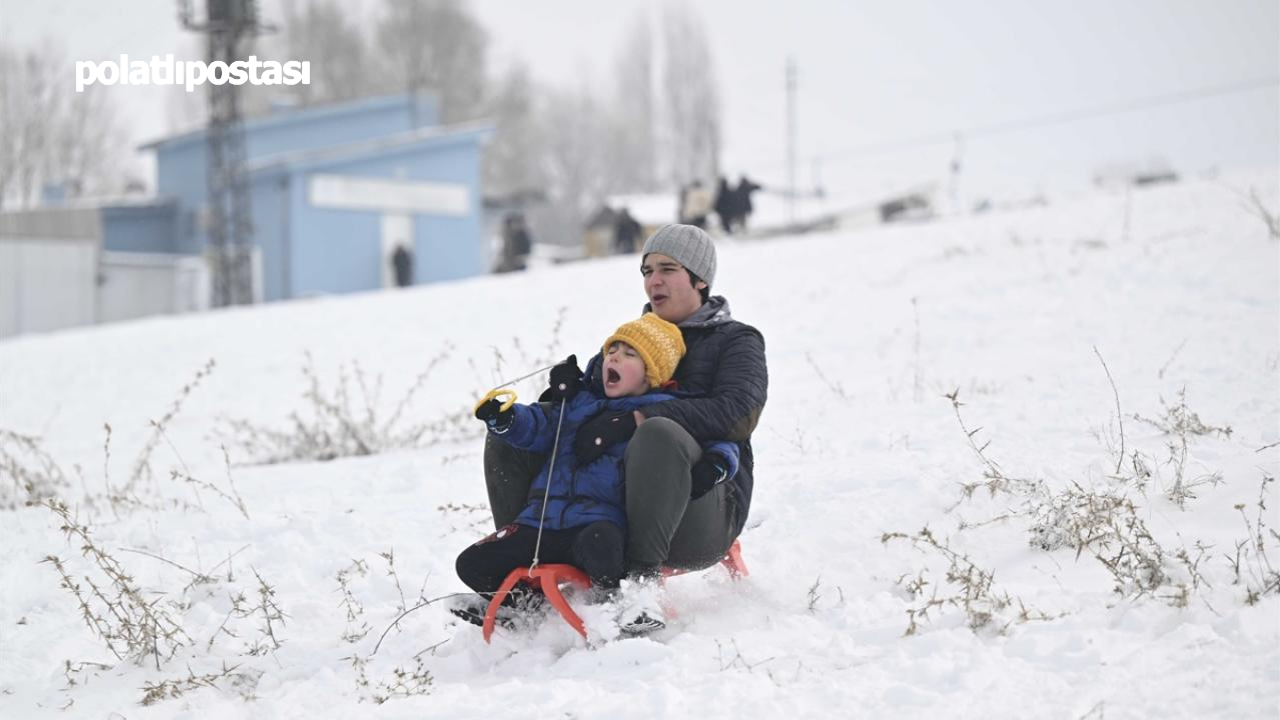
[229, 224]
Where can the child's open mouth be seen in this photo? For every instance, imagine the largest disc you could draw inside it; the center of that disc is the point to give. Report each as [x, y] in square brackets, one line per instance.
[611, 377]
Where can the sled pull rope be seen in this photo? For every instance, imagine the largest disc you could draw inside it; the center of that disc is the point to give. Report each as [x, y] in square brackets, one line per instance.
[546, 495]
[523, 377]
[508, 396]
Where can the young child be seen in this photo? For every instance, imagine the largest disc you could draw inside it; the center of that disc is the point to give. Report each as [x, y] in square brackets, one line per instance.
[584, 521]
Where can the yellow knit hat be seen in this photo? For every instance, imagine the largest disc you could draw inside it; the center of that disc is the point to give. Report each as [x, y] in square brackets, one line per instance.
[658, 342]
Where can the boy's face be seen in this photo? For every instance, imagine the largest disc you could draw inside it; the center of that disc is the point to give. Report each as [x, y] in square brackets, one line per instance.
[671, 294]
[623, 371]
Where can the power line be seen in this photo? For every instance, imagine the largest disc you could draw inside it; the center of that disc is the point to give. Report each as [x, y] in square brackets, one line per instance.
[1059, 118]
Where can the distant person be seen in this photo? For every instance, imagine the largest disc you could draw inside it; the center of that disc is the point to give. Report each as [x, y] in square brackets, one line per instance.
[695, 205]
[402, 265]
[726, 205]
[743, 199]
[516, 243]
[625, 233]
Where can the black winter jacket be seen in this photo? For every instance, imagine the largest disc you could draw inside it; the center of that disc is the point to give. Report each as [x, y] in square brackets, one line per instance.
[724, 367]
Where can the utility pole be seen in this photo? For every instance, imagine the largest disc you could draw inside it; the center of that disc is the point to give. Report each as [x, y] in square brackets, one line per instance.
[791, 139]
[229, 222]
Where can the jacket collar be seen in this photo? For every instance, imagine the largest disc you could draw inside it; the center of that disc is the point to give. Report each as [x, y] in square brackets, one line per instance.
[713, 312]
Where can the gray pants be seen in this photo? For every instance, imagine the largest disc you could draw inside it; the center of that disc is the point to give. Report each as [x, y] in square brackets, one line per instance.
[664, 526]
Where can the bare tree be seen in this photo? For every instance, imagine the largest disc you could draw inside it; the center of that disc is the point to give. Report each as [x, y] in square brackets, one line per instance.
[48, 132]
[324, 33]
[595, 148]
[12, 121]
[436, 45]
[580, 164]
[31, 98]
[634, 101]
[691, 98]
[513, 159]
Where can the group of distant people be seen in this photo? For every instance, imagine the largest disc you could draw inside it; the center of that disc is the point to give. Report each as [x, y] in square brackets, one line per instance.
[731, 204]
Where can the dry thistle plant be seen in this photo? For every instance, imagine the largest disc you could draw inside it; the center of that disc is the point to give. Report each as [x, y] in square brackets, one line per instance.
[1251, 553]
[404, 683]
[836, 388]
[967, 586]
[33, 473]
[994, 479]
[1104, 522]
[814, 594]
[1179, 422]
[470, 518]
[244, 681]
[351, 605]
[231, 495]
[270, 615]
[28, 474]
[390, 557]
[1256, 207]
[548, 355]
[336, 427]
[114, 608]
[140, 625]
[737, 661]
[142, 472]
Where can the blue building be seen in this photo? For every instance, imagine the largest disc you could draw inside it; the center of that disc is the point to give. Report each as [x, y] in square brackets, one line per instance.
[334, 191]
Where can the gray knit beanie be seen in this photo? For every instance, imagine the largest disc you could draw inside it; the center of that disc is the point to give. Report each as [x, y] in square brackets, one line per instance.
[688, 245]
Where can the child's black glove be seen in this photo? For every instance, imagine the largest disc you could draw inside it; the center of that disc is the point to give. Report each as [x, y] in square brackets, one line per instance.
[602, 432]
[491, 412]
[566, 380]
[707, 473]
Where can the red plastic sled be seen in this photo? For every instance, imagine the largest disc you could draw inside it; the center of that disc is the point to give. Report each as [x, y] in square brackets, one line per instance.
[549, 579]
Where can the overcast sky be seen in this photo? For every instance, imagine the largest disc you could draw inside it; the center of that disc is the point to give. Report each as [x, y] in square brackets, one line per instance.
[870, 74]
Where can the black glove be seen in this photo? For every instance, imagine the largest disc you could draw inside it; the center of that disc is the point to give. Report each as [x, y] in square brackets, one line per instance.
[707, 473]
[491, 412]
[602, 432]
[566, 380]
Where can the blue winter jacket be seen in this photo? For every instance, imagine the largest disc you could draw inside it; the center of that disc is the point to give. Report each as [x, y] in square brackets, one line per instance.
[582, 495]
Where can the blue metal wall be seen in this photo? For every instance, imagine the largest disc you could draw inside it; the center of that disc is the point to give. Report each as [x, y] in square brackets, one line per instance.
[270, 194]
[337, 251]
[181, 161]
[140, 228]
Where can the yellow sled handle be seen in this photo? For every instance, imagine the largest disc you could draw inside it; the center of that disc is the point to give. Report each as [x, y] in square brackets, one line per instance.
[507, 393]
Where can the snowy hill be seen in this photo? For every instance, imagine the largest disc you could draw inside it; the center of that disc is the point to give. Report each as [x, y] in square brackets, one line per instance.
[1174, 288]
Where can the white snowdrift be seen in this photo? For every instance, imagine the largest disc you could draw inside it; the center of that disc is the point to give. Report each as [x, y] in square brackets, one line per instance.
[866, 331]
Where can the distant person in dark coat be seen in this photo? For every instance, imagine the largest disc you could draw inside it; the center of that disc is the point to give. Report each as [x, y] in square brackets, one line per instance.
[625, 233]
[726, 205]
[743, 200]
[402, 264]
[516, 243]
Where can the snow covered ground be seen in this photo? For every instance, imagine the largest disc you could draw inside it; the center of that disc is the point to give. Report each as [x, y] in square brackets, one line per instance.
[1176, 287]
